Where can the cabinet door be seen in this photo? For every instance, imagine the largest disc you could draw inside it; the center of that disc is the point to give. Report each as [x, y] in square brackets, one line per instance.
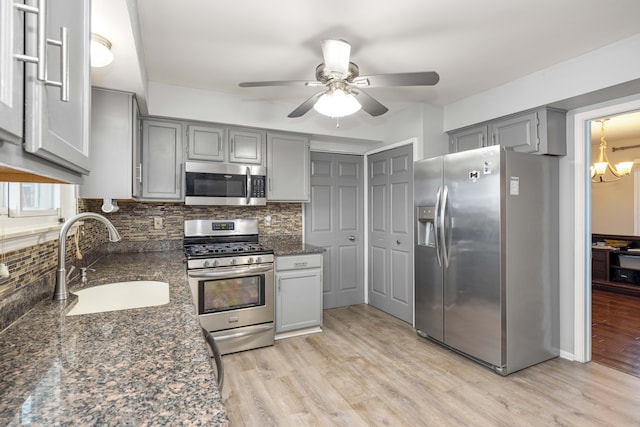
[161, 160]
[468, 139]
[519, 133]
[246, 146]
[11, 71]
[298, 299]
[112, 129]
[288, 168]
[206, 143]
[55, 129]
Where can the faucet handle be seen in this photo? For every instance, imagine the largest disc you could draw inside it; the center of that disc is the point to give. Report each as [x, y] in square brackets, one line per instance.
[73, 267]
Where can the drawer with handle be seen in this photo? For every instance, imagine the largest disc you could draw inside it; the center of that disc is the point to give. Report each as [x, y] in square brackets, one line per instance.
[298, 262]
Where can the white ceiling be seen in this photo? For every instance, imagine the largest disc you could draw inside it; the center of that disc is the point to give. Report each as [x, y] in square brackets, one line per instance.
[473, 45]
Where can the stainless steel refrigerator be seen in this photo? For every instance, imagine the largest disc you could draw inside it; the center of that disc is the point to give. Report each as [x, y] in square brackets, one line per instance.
[486, 255]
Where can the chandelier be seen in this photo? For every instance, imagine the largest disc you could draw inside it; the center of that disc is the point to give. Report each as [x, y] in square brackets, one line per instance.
[600, 168]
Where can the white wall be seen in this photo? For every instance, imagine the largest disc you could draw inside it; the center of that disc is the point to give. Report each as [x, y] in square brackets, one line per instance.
[610, 65]
[204, 105]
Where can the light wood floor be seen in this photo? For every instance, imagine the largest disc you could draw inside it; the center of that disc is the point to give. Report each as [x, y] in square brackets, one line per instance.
[369, 369]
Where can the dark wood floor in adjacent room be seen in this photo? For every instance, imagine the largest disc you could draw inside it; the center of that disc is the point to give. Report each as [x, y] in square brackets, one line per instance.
[616, 331]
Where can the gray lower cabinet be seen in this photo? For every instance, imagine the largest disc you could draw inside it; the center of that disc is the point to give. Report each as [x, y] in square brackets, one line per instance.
[298, 292]
[44, 113]
[162, 148]
[540, 131]
[246, 146]
[288, 167]
[115, 144]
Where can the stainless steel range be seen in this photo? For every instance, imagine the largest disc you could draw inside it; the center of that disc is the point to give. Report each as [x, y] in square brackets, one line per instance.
[231, 280]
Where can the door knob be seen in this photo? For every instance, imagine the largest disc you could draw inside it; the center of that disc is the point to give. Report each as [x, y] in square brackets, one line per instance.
[398, 242]
[352, 238]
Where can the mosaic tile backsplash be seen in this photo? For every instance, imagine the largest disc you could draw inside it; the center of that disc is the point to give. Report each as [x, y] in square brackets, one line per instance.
[33, 268]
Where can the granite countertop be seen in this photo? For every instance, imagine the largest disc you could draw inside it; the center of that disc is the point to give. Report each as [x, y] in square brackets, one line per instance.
[146, 366]
[284, 248]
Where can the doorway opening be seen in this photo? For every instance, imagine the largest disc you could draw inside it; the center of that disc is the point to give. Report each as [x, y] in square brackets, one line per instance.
[615, 295]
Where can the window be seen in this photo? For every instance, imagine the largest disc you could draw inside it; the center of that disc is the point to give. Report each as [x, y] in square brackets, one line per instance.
[4, 198]
[32, 213]
[32, 199]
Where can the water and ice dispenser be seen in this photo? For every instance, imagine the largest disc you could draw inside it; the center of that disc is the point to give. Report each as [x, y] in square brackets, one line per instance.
[426, 227]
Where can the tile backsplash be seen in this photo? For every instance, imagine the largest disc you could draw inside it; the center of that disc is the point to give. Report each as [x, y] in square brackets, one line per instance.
[33, 268]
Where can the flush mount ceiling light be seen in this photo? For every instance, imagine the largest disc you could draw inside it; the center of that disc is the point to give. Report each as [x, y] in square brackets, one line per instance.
[101, 54]
[600, 168]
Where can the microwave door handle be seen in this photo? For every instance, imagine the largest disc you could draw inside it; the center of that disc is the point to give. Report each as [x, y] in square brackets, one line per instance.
[248, 186]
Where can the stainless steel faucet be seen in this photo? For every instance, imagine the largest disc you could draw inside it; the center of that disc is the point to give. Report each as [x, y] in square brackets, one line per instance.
[61, 292]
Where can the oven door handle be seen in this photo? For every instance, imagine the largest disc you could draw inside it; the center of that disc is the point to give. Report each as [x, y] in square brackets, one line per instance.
[253, 331]
[229, 272]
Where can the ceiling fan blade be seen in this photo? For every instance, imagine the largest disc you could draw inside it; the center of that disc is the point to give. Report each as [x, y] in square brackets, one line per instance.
[336, 56]
[305, 106]
[369, 104]
[282, 83]
[424, 78]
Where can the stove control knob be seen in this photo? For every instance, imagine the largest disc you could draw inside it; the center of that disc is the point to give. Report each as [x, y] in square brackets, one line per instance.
[234, 261]
[206, 264]
[259, 259]
[250, 260]
[214, 263]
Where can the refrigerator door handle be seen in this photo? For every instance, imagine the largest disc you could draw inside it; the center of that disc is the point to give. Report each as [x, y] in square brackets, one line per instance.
[436, 228]
[443, 234]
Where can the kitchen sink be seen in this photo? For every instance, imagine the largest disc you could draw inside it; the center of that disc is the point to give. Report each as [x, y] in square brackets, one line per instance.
[120, 296]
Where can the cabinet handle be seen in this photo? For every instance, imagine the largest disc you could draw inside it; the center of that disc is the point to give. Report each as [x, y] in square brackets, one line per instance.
[63, 84]
[41, 30]
[139, 168]
[352, 238]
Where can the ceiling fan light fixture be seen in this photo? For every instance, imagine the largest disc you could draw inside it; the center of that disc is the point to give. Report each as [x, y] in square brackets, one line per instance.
[337, 103]
[101, 54]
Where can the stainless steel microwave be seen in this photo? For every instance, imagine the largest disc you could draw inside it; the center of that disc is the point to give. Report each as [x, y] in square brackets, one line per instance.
[224, 184]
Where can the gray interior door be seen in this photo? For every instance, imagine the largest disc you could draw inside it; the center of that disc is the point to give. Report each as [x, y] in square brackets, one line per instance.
[391, 232]
[334, 220]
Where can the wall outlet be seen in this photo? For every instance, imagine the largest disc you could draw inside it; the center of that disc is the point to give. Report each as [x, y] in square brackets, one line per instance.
[267, 221]
[157, 222]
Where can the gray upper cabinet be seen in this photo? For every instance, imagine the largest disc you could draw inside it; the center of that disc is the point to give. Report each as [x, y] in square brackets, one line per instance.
[44, 112]
[11, 71]
[58, 129]
[246, 146]
[162, 148]
[540, 131]
[115, 138]
[468, 139]
[288, 172]
[206, 143]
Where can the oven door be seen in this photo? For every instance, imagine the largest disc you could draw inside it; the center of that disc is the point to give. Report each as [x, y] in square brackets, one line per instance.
[233, 297]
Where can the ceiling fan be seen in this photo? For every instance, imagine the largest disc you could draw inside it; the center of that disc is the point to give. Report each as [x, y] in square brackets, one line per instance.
[342, 94]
